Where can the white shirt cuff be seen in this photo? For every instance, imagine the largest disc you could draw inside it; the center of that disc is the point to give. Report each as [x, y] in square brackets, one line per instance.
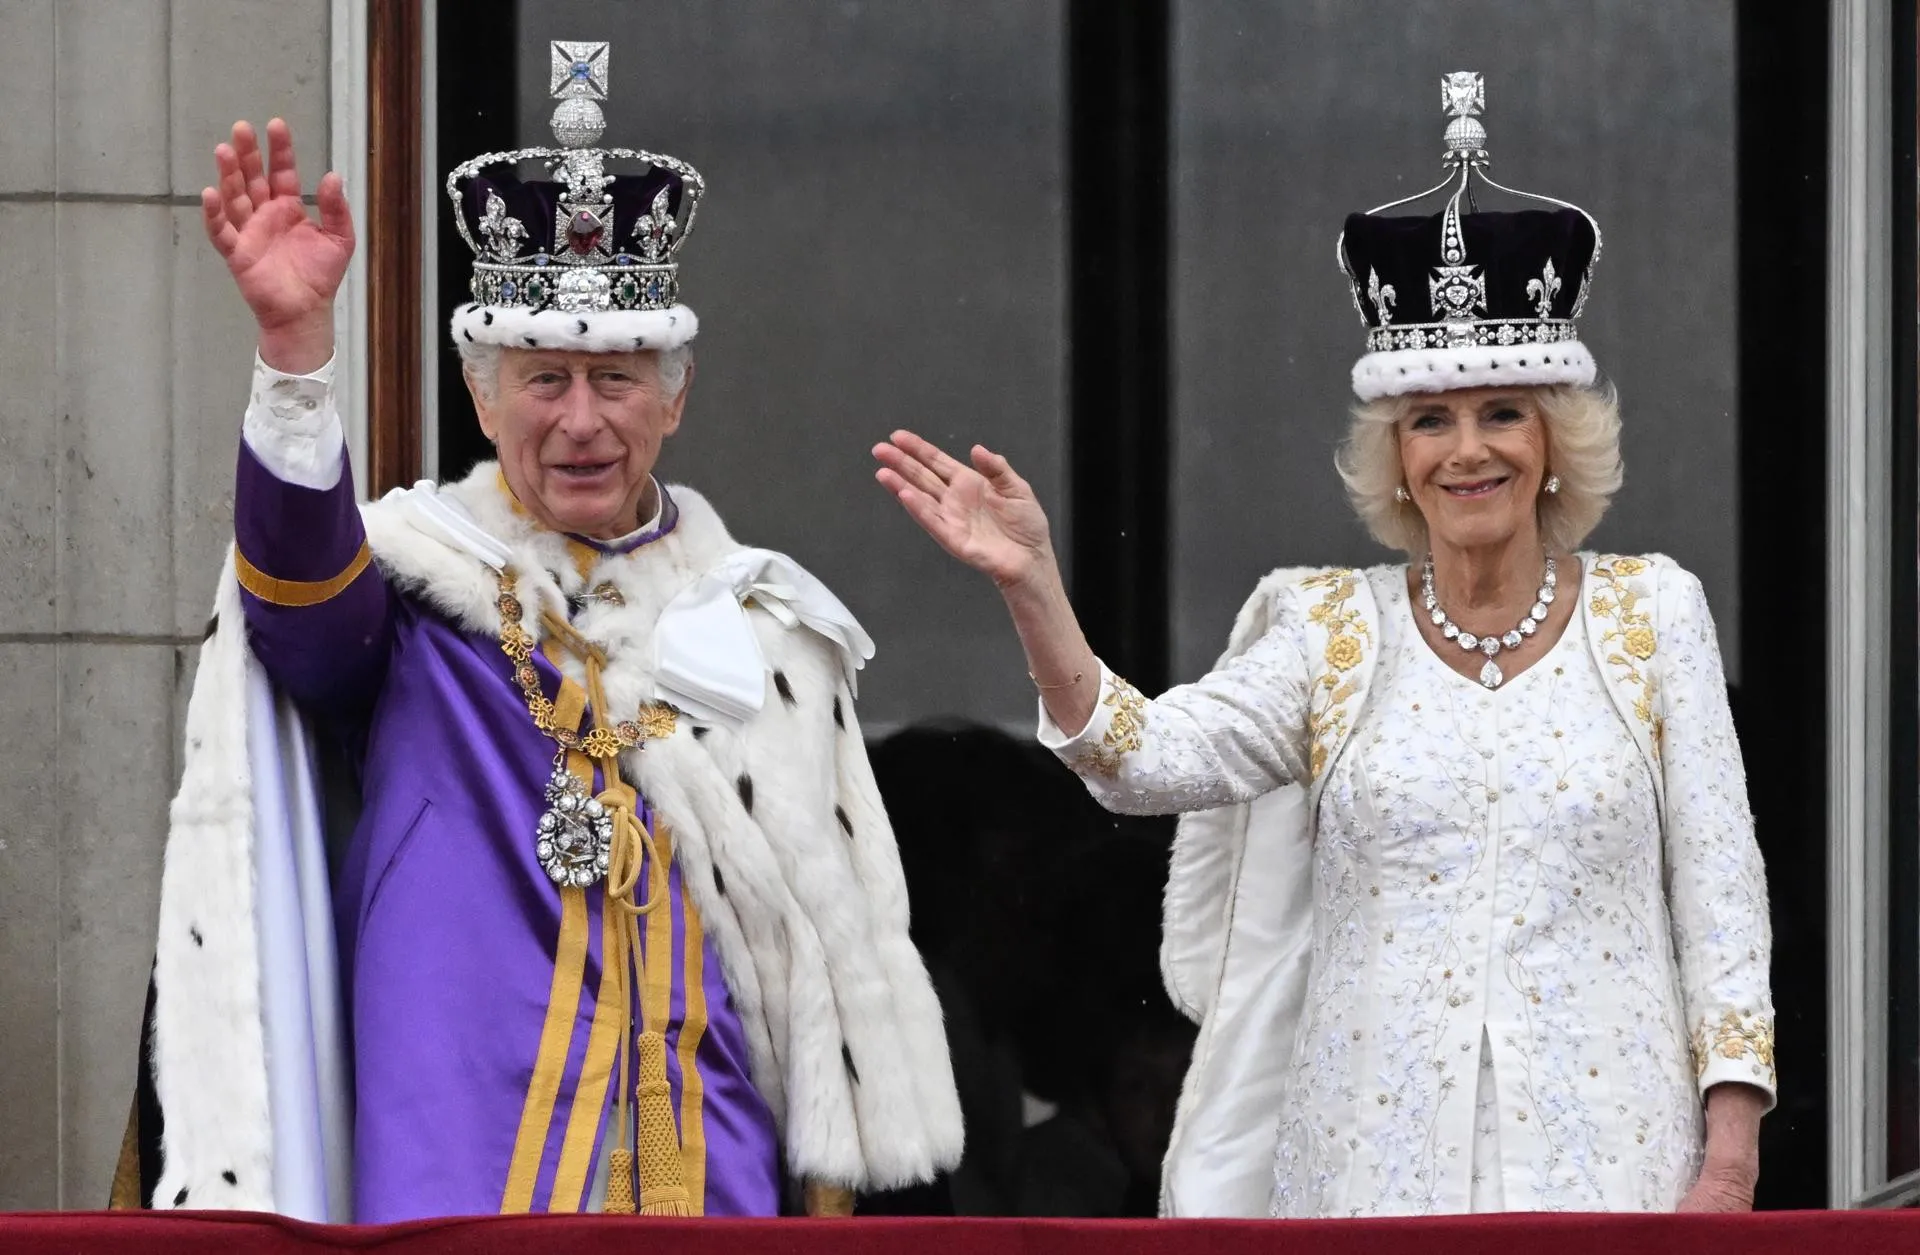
[1094, 734]
[293, 427]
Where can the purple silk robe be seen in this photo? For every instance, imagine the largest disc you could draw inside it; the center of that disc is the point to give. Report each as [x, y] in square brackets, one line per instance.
[447, 925]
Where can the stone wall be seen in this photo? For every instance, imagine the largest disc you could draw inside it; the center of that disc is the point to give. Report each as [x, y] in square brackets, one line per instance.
[123, 366]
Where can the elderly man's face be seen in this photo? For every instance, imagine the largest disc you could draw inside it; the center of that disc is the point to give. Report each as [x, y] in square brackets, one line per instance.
[579, 433]
[1474, 460]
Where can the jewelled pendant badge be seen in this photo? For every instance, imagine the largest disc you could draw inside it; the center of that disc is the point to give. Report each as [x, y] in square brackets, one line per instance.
[574, 837]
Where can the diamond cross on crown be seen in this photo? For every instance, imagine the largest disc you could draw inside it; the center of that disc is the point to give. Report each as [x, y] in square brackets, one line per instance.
[1463, 93]
[579, 70]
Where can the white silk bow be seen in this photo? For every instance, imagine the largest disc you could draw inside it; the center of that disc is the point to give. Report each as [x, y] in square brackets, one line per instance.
[707, 659]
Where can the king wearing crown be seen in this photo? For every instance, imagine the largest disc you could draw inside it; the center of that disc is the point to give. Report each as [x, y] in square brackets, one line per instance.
[526, 855]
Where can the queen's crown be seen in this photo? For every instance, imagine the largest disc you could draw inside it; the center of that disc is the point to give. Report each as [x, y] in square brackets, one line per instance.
[1463, 276]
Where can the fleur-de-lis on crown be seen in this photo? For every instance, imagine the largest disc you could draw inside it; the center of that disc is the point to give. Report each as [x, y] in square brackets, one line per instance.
[502, 230]
[1382, 296]
[655, 230]
[1542, 290]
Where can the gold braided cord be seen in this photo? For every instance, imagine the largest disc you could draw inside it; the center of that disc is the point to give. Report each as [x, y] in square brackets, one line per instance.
[633, 846]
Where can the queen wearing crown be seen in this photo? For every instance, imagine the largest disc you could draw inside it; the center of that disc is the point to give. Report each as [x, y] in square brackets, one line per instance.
[1465, 896]
[604, 910]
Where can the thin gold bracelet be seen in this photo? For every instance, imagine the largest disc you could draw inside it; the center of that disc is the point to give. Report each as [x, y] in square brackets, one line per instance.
[1048, 688]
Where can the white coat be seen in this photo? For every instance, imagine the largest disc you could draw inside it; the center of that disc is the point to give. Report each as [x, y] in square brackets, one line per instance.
[1317, 922]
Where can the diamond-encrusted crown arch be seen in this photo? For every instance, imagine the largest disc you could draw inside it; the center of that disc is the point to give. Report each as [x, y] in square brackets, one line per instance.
[693, 186]
[1489, 279]
[585, 240]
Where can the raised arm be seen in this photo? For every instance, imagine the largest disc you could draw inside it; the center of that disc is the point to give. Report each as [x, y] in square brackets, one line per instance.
[988, 517]
[1229, 737]
[318, 613]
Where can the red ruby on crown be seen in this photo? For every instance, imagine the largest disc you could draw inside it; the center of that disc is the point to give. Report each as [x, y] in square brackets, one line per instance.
[584, 231]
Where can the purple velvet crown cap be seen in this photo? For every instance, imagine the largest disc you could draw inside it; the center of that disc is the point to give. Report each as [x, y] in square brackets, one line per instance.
[1511, 251]
[1464, 298]
[534, 204]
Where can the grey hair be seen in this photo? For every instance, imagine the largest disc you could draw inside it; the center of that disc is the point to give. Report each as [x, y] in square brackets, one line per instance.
[481, 365]
[1583, 449]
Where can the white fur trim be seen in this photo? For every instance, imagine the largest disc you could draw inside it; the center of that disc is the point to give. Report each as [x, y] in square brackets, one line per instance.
[615, 331]
[1400, 371]
[209, 1037]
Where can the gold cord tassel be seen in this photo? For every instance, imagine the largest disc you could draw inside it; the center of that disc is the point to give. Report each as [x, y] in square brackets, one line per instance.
[620, 1184]
[663, 1190]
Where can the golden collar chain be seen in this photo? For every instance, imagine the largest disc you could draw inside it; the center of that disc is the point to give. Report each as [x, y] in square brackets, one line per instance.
[654, 721]
[581, 838]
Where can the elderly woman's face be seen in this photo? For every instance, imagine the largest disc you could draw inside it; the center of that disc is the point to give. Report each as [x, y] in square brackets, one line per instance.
[579, 433]
[1474, 461]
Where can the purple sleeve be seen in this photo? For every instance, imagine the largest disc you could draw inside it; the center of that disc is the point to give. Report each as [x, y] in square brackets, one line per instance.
[319, 614]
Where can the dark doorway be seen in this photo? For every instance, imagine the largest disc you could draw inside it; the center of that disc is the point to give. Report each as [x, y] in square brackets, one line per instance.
[1781, 711]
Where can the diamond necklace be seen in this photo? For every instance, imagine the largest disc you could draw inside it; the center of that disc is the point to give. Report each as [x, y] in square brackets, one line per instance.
[1490, 675]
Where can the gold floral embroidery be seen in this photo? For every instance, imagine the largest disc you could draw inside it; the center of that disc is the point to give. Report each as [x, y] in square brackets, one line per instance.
[1347, 638]
[1129, 719]
[1734, 1037]
[1630, 639]
[1343, 653]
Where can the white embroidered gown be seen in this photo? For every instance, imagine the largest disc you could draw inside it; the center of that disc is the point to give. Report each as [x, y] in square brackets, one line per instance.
[1509, 965]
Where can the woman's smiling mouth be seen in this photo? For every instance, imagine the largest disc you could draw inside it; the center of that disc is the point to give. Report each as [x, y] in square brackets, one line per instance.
[1474, 488]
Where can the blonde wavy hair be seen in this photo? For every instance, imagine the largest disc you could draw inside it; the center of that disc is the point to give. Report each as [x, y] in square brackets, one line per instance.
[1583, 449]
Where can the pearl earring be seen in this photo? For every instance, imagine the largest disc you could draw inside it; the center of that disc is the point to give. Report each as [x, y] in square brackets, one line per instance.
[1552, 485]
[1401, 494]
